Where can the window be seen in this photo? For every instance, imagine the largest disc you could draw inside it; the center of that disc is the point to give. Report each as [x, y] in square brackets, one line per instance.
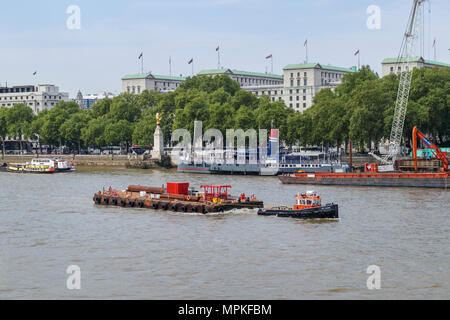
[392, 69]
[298, 98]
[304, 98]
[298, 105]
[290, 98]
[304, 91]
[304, 106]
[292, 83]
[305, 82]
[298, 83]
[305, 74]
[292, 75]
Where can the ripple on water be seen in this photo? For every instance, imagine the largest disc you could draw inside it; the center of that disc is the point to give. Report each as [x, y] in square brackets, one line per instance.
[138, 253]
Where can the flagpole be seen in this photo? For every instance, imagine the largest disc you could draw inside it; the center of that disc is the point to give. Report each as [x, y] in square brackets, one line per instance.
[170, 66]
[218, 58]
[142, 64]
[359, 61]
[271, 61]
[306, 46]
[435, 49]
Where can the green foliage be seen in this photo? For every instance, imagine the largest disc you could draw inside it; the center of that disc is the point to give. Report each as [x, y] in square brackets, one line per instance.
[361, 108]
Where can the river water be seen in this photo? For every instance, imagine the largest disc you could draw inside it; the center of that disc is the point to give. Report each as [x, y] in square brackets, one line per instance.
[49, 222]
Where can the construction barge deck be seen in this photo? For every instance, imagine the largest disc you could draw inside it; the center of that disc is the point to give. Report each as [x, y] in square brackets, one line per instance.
[215, 199]
[370, 179]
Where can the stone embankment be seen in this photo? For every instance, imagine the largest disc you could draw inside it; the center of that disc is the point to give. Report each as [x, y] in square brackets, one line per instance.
[92, 160]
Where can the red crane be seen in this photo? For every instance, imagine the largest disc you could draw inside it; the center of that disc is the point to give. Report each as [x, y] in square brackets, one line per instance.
[436, 151]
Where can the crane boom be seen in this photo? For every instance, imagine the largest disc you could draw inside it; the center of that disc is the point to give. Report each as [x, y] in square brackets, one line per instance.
[406, 51]
[408, 45]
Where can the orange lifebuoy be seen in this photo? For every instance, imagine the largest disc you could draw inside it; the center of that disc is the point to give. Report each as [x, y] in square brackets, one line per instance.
[188, 198]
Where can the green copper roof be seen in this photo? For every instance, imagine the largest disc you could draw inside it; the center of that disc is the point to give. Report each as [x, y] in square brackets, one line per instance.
[239, 73]
[149, 75]
[415, 59]
[318, 65]
[158, 77]
[136, 76]
[437, 63]
[301, 66]
[212, 71]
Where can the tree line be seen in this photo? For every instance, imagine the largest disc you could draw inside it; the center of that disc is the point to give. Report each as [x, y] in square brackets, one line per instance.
[361, 109]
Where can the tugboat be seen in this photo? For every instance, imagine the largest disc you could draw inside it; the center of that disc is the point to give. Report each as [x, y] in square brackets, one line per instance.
[308, 206]
[177, 197]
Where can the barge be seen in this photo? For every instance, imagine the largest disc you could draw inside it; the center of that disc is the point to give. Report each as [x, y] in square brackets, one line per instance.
[371, 179]
[308, 206]
[177, 197]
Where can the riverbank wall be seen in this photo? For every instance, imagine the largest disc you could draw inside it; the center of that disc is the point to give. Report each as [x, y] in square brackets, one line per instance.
[124, 161]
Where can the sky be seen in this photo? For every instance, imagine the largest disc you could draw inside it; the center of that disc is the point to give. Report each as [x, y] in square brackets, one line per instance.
[34, 36]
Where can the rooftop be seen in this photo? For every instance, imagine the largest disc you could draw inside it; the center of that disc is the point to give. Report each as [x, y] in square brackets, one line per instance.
[318, 65]
[415, 59]
[239, 73]
[151, 76]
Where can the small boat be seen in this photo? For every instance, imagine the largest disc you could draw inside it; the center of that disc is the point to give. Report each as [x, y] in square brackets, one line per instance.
[308, 206]
[56, 163]
[29, 168]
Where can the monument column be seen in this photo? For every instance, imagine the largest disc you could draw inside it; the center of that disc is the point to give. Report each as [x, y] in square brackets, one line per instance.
[158, 140]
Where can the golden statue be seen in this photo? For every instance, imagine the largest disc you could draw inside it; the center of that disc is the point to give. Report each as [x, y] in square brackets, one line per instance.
[159, 117]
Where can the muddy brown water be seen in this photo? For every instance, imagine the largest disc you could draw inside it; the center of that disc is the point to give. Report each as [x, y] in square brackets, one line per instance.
[48, 222]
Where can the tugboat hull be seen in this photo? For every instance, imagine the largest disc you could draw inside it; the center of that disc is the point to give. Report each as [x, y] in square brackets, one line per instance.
[330, 211]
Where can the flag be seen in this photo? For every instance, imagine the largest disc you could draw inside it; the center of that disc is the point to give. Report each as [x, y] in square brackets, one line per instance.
[269, 56]
[357, 52]
[190, 61]
[306, 43]
[141, 55]
[34, 73]
[434, 43]
[217, 49]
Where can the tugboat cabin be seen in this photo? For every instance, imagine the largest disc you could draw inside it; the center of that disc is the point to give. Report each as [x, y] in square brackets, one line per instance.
[310, 199]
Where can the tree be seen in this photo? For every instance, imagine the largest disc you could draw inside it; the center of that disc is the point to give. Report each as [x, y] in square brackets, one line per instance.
[19, 118]
[71, 130]
[144, 130]
[3, 128]
[120, 132]
[94, 133]
[35, 129]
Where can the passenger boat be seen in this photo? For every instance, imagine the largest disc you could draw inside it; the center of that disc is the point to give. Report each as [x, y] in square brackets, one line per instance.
[308, 206]
[3, 167]
[30, 168]
[177, 197]
[58, 164]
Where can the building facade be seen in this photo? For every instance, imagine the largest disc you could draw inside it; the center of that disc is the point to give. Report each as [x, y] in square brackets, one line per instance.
[87, 101]
[301, 82]
[246, 78]
[38, 98]
[395, 65]
[137, 83]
